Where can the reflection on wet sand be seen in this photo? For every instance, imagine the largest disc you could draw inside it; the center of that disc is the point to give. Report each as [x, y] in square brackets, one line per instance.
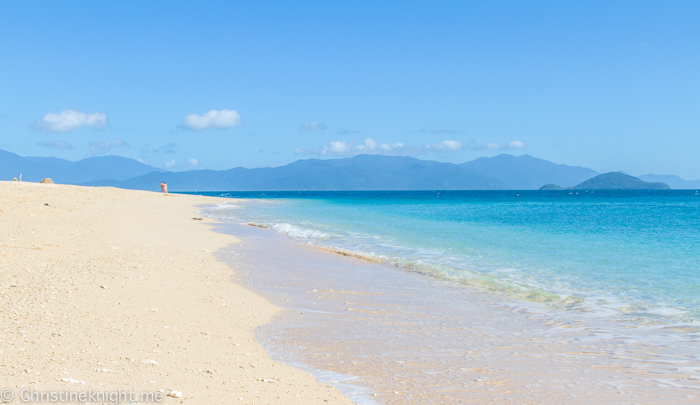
[408, 338]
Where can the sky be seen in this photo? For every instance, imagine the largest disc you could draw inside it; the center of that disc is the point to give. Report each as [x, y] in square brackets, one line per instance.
[610, 85]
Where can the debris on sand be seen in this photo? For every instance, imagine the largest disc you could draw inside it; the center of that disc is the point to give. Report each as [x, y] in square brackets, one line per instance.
[72, 381]
[46, 181]
[175, 394]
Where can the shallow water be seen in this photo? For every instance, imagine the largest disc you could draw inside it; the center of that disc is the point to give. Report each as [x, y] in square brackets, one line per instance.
[400, 337]
[631, 256]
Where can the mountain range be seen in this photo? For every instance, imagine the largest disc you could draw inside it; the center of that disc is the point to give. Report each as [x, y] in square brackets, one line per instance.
[68, 172]
[371, 172]
[528, 173]
[672, 180]
[362, 172]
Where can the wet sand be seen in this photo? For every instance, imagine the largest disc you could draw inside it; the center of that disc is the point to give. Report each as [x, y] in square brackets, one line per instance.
[402, 338]
[109, 289]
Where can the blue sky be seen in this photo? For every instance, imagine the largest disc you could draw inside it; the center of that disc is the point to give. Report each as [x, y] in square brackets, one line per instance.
[611, 85]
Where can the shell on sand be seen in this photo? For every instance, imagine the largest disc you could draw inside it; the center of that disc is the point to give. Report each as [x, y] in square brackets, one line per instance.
[175, 394]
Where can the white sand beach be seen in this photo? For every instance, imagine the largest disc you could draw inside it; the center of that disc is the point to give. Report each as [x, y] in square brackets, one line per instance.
[109, 289]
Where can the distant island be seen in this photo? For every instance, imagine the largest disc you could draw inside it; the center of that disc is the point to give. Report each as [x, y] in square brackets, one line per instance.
[612, 181]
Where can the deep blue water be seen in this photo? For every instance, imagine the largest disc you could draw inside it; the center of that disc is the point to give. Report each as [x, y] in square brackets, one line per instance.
[624, 254]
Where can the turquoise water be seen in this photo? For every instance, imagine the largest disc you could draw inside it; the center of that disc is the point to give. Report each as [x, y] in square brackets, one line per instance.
[625, 255]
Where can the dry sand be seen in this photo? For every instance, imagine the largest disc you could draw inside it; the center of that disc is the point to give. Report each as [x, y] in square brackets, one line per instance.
[113, 289]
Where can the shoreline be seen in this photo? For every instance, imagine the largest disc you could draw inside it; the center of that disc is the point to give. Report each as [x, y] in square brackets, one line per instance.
[410, 338]
[108, 289]
[536, 281]
[644, 287]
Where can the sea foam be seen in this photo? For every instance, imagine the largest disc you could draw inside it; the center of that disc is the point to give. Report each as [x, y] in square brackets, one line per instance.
[620, 255]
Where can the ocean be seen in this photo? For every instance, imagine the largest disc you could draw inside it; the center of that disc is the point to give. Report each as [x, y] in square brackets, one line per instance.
[478, 296]
[628, 255]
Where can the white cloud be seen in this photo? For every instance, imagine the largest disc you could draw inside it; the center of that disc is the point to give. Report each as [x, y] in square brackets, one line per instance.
[102, 147]
[370, 146]
[445, 146]
[312, 126]
[55, 145]
[183, 165]
[218, 119]
[511, 145]
[69, 120]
